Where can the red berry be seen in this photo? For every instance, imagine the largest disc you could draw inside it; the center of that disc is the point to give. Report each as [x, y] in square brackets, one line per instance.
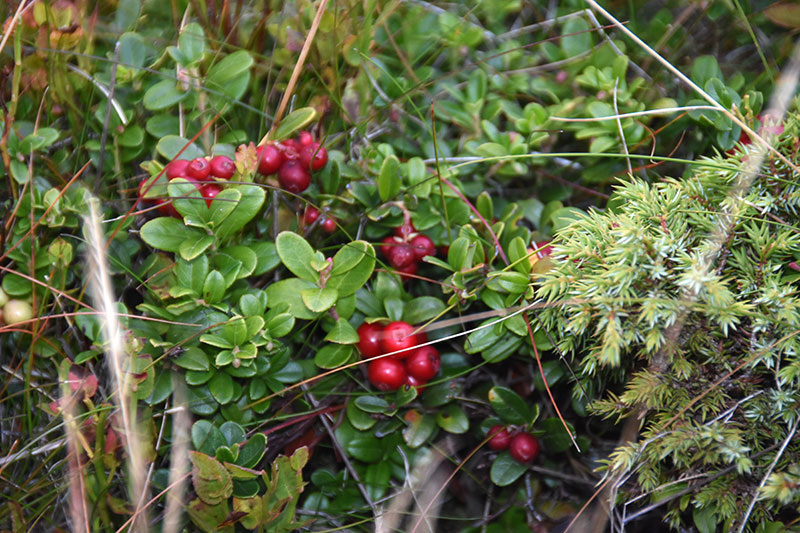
[222, 166]
[199, 169]
[544, 249]
[210, 192]
[387, 244]
[177, 168]
[144, 186]
[386, 373]
[500, 438]
[304, 138]
[270, 159]
[311, 215]
[168, 210]
[423, 363]
[401, 256]
[290, 148]
[369, 339]
[399, 336]
[328, 225]
[423, 245]
[524, 447]
[411, 381]
[314, 156]
[293, 177]
[405, 230]
[408, 269]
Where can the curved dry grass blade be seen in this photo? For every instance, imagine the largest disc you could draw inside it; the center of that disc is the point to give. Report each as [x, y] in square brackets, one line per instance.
[297, 68]
[99, 284]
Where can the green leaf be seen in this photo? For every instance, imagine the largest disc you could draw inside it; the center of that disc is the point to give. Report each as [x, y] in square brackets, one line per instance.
[287, 291]
[453, 419]
[333, 355]
[342, 333]
[350, 281]
[367, 449]
[319, 299]
[420, 428]
[206, 437]
[195, 245]
[170, 148]
[267, 255]
[555, 438]
[251, 452]
[389, 181]
[505, 470]
[233, 433]
[193, 358]
[509, 406]
[360, 419]
[132, 50]
[232, 66]
[348, 257]
[192, 42]
[210, 479]
[580, 42]
[162, 95]
[225, 215]
[518, 255]
[297, 255]
[221, 387]
[422, 309]
[372, 404]
[189, 202]
[245, 255]
[480, 339]
[294, 121]
[167, 233]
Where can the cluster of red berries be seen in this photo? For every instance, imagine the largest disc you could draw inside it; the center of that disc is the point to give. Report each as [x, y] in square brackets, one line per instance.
[413, 367]
[406, 248]
[205, 173]
[328, 223]
[293, 160]
[522, 446]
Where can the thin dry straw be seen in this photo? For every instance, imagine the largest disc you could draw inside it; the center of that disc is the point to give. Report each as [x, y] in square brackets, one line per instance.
[99, 286]
[179, 460]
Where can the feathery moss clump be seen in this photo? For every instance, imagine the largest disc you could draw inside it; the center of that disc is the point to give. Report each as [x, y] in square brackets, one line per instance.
[699, 341]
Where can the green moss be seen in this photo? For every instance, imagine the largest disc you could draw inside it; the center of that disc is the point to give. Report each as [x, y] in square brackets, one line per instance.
[682, 306]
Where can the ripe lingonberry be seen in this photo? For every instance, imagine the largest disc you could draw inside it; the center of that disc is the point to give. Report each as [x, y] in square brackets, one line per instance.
[311, 215]
[387, 243]
[423, 363]
[293, 177]
[328, 225]
[500, 438]
[410, 269]
[177, 168]
[411, 381]
[405, 230]
[423, 245]
[524, 447]
[386, 373]
[369, 339]
[199, 169]
[399, 336]
[210, 192]
[270, 159]
[222, 167]
[304, 138]
[401, 255]
[313, 156]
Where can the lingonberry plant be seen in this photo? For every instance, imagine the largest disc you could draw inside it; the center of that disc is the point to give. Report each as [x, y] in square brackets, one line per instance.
[407, 264]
